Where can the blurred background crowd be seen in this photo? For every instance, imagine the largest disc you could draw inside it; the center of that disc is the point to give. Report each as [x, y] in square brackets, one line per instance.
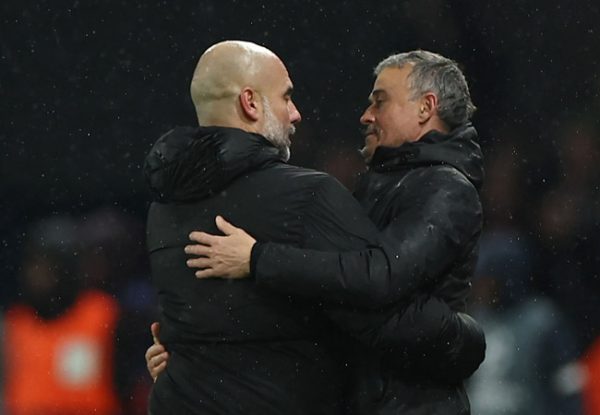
[87, 87]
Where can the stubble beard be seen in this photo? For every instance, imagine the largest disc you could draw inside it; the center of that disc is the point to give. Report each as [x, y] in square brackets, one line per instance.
[276, 132]
[371, 144]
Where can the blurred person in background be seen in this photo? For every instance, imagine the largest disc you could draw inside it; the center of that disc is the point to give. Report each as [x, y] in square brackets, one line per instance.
[531, 360]
[58, 343]
[568, 262]
[113, 259]
[503, 192]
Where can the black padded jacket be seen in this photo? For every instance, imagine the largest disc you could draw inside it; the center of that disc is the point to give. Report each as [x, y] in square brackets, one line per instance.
[424, 198]
[237, 346]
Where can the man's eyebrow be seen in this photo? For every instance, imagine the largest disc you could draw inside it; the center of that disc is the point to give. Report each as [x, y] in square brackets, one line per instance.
[377, 93]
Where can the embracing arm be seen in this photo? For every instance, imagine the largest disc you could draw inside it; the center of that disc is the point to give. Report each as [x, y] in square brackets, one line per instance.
[424, 337]
[332, 221]
[428, 335]
[429, 233]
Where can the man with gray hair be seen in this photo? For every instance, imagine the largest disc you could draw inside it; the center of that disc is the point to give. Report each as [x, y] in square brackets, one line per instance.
[421, 190]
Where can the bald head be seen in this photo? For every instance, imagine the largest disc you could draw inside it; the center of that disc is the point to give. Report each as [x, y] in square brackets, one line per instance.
[222, 72]
[243, 85]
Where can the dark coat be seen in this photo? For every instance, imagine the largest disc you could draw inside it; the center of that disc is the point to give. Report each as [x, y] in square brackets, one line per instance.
[424, 198]
[236, 348]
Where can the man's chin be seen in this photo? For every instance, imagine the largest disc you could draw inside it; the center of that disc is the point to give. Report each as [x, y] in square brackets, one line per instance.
[371, 143]
[367, 153]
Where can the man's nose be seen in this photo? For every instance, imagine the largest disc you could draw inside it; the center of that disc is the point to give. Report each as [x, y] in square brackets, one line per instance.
[295, 116]
[367, 117]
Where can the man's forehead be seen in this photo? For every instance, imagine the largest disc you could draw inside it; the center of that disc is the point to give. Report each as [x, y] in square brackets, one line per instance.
[390, 75]
[275, 75]
[289, 85]
[388, 79]
[285, 84]
[381, 87]
[282, 71]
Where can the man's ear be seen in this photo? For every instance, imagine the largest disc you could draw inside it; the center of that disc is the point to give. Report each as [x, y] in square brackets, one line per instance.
[249, 101]
[428, 107]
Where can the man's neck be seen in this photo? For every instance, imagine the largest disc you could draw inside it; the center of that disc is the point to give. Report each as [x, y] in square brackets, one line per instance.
[434, 124]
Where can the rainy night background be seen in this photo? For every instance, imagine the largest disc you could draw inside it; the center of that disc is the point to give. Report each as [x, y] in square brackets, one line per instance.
[86, 87]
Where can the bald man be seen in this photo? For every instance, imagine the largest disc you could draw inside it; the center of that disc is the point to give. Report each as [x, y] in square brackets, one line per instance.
[234, 70]
[236, 347]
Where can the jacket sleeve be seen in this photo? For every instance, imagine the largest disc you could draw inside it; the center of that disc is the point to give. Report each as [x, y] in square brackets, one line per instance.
[425, 338]
[333, 221]
[425, 236]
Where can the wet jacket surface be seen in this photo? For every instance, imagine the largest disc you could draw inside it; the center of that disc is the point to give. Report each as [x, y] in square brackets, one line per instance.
[423, 196]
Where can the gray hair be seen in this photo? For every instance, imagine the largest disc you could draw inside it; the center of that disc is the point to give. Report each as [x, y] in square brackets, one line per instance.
[434, 73]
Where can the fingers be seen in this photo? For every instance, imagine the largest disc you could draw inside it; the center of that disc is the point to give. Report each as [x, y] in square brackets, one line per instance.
[228, 229]
[155, 355]
[206, 273]
[224, 226]
[203, 238]
[157, 370]
[199, 250]
[221, 256]
[155, 329]
[154, 351]
[156, 360]
[199, 262]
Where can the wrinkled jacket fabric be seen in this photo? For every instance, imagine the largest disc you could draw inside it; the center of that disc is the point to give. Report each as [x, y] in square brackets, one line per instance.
[423, 196]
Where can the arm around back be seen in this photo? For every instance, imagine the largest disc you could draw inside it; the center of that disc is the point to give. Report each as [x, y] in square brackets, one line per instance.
[432, 227]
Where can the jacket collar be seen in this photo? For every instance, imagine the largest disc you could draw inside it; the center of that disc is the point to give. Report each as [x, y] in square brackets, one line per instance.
[189, 164]
[459, 149]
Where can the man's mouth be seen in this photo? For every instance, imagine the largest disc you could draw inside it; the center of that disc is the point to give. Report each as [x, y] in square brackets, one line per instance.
[371, 136]
[370, 132]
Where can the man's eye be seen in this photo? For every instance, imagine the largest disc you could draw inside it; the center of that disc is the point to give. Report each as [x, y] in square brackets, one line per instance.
[378, 103]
